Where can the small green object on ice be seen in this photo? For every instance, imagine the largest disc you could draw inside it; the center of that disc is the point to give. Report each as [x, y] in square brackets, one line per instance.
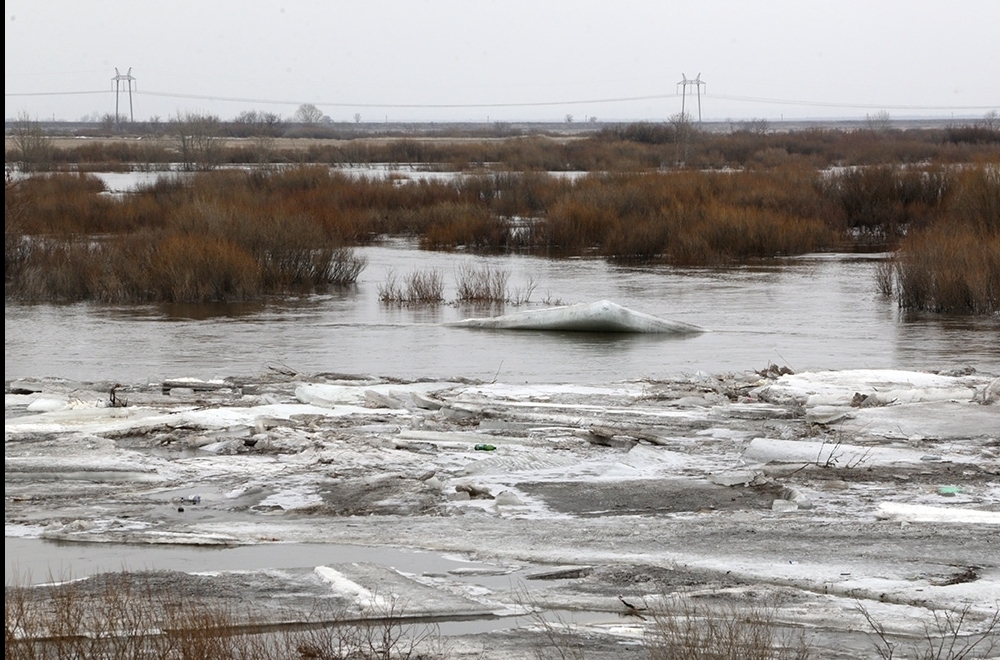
[482, 447]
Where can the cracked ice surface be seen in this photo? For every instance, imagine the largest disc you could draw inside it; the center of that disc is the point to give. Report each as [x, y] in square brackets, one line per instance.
[825, 487]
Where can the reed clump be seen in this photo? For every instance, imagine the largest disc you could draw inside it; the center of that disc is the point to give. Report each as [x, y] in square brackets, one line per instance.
[953, 265]
[450, 225]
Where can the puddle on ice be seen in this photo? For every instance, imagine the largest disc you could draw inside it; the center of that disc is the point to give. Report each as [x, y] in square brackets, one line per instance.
[37, 561]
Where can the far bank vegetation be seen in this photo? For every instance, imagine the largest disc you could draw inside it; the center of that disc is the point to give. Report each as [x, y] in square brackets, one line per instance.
[237, 234]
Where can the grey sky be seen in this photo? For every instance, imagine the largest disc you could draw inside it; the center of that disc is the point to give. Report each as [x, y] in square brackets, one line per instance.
[505, 60]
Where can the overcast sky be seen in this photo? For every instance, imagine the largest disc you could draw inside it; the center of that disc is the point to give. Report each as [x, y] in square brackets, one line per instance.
[504, 60]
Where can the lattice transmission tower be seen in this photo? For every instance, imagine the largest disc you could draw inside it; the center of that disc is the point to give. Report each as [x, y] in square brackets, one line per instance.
[697, 82]
[118, 80]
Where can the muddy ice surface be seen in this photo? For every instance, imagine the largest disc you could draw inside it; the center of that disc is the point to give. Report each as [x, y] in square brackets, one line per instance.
[811, 493]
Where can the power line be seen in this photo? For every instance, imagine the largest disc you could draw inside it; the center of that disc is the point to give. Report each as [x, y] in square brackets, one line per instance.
[431, 106]
[99, 91]
[341, 104]
[862, 106]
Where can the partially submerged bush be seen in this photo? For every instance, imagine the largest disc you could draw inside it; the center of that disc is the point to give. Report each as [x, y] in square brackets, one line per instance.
[169, 242]
[418, 287]
[945, 269]
[167, 267]
[482, 284]
[953, 265]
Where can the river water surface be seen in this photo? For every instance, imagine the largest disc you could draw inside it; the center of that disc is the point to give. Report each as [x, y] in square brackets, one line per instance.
[810, 312]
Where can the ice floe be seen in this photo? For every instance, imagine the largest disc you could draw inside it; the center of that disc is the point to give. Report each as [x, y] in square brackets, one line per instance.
[601, 316]
[783, 483]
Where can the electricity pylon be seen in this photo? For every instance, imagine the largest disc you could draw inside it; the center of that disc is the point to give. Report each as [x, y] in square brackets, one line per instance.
[697, 82]
[118, 81]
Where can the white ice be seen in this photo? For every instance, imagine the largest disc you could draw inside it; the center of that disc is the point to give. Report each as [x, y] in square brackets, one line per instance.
[601, 316]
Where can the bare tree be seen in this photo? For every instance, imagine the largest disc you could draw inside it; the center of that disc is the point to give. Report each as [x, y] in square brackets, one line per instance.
[755, 126]
[878, 122]
[198, 140]
[308, 114]
[256, 122]
[262, 128]
[991, 120]
[32, 147]
[683, 130]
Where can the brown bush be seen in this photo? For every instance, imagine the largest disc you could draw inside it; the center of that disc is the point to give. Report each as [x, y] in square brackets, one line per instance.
[192, 268]
[290, 228]
[953, 269]
[953, 264]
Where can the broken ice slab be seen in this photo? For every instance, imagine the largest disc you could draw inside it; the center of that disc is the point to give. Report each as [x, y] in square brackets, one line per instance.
[735, 477]
[830, 454]
[380, 590]
[939, 514]
[601, 316]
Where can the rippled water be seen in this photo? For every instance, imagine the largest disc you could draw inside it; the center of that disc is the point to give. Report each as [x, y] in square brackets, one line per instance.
[810, 312]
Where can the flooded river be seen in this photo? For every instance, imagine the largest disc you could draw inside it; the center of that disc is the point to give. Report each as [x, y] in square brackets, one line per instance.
[809, 312]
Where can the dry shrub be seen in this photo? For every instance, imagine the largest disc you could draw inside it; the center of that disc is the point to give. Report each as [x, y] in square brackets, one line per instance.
[949, 269]
[345, 266]
[140, 615]
[198, 268]
[643, 240]
[449, 225]
[953, 265]
[884, 200]
[574, 226]
[691, 218]
[885, 277]
[418, 287]
[950, 637]
[290, 250]
[734, 234]
[977, 197]
[683, 629]
[62, 270]
[62, 204]
[482, 284]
